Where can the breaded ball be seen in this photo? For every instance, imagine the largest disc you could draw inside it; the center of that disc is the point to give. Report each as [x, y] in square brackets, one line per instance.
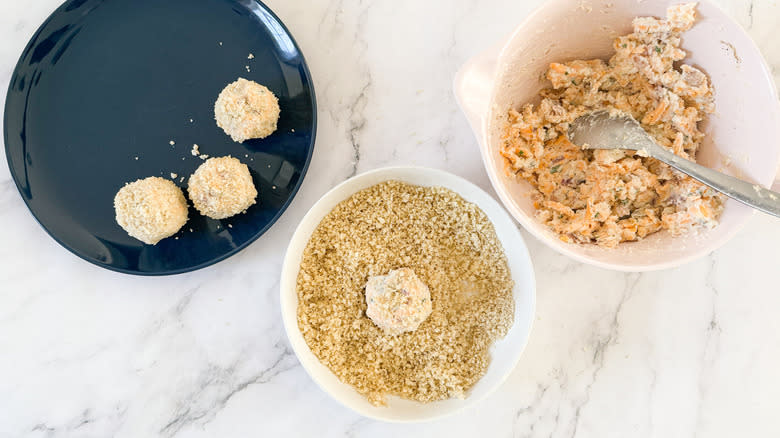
[222, 187]
[246, 109]
[398, 302]
[150, 209]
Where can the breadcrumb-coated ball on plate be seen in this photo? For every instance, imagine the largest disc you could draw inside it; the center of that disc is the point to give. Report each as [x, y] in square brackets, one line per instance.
[150, 209]
[246, 109]
[222, 187]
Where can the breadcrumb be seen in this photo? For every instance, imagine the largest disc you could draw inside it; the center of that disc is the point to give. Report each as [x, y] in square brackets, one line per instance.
[453, 248]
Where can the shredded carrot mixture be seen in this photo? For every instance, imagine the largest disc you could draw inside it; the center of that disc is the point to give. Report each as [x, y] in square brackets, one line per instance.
[609, 196]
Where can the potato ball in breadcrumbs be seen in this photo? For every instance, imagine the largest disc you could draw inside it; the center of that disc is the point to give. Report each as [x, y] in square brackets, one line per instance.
[150, 209]
[222, 187]
[246, 109]
[398, 302]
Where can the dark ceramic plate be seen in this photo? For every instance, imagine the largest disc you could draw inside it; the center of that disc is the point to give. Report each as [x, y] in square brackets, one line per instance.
[105, 85]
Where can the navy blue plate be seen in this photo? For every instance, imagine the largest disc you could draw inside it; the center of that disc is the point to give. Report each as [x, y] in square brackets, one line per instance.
[105, 85]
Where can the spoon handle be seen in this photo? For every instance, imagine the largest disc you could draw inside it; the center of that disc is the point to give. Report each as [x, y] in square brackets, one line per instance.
[749, 194]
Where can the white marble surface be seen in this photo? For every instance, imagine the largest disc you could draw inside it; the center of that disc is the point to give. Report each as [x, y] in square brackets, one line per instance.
[85, 352]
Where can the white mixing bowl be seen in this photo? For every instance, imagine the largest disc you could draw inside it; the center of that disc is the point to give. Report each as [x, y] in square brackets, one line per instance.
[744, 130]
[504, 354]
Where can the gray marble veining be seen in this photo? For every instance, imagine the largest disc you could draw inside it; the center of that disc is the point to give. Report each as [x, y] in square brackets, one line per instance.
[84, 352]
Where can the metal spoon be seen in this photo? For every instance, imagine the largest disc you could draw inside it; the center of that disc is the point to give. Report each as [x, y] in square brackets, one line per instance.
[600, 130]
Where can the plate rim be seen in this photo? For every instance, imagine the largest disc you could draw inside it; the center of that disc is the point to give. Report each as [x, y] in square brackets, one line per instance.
[232, 252]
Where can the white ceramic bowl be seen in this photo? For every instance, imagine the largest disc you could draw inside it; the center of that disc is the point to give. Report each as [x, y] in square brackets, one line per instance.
[744, 129]
[504, 354]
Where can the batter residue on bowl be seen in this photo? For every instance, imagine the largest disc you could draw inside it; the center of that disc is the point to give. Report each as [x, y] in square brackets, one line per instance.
[611, 196]
[452, 247]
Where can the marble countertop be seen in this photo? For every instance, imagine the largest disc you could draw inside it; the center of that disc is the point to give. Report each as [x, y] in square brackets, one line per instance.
[85, 352]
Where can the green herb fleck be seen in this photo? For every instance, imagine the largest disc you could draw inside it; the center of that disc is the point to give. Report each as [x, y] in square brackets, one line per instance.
[566, 73]
[573, 82]
[597, 215]
[520, 154]
[555, 169]
[624, 45]
[657, 49]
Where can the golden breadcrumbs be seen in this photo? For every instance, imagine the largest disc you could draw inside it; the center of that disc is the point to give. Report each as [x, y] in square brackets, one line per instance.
[453, 248]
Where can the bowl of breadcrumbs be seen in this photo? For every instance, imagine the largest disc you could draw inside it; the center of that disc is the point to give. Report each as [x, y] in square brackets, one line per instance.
[407, 293]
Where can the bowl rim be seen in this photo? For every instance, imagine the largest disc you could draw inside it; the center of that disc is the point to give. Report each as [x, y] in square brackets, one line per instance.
[541, 232]
[291, 262]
